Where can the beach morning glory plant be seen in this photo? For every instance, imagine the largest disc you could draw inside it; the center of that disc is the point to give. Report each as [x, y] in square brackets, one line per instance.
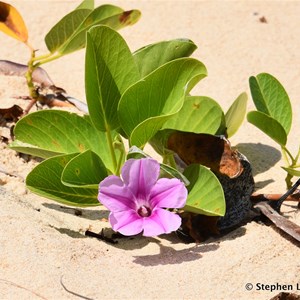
[133, 99]
[138, 199]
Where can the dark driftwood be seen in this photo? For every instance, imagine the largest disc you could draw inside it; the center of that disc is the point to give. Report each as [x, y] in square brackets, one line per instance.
[281, 222]
[39, 75]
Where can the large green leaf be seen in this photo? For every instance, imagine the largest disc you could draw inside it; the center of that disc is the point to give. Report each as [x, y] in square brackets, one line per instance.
[149, 103]
[84, 170]
[51, 132]
[235, 115]
[69, 34]
[270, 97]
[268, 125]
[45, 180]
[206, 194]
[108, 15]
[199, 114]
[109, 71]
[63, 30]
[155, 55]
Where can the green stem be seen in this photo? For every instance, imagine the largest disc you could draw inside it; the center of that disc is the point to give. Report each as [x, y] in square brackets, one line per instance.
[32, 92]
[288, 180]
[41, 57]
[121, 158]
[297, 156]
[47, 59]
[286, 152]
[111, 148]
[169, 160]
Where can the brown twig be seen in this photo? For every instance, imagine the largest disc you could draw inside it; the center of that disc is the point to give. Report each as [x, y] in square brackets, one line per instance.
[100, 236]
[22, 287]
[281, 222]
[274, 197]
[73, 293]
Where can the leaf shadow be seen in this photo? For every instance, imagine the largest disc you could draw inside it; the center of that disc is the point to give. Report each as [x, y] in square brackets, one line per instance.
[262, 157]
[89, 214]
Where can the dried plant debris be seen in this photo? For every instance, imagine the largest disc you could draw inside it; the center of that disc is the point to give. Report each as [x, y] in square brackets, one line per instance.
[233, 171]
[11, 114]
[286, 296]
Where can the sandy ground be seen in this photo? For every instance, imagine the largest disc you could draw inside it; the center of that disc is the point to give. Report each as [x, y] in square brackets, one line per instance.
[41, 243]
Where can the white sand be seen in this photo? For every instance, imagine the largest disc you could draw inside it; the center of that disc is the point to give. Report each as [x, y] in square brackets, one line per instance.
[40, 242]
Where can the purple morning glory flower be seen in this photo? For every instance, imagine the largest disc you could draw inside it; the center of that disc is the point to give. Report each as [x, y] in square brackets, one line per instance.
[137, 200]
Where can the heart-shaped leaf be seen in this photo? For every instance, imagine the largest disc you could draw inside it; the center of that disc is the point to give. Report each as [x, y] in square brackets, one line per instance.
[206, 194]
[236, 114]
[45, 180]
[268, 125]
[12, 23]
[51, 132]
[155, 55]
[198, 114]
[85, 170]
[270, 97]
[109, 71]
[149, 103]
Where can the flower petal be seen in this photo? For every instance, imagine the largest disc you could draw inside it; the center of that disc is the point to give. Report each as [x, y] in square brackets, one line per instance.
[168, 193]
[161, 221]
[115, 195]
[140, 175]
[127, 222]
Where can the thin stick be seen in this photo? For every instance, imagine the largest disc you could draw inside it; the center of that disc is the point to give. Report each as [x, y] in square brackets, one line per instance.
[23, 288]
[276, 205]
[73, 293]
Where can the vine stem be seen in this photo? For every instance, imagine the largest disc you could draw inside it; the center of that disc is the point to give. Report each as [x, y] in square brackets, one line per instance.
[111, 148]
[286, 154]
[170, 160]
[32, 91]
[47, 59]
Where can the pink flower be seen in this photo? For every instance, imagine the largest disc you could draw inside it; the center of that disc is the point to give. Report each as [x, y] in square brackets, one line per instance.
[137, 199]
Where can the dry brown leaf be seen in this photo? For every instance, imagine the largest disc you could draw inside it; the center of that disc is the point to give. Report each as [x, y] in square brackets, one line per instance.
[12, 23]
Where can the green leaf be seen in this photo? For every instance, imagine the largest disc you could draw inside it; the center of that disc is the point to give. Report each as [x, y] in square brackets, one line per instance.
[137, 153]
[86, 4]
[198, 114]
[268, 125]
[270, 97]
[236, 114]
[84, 170]
[69, 34]
[109, 71]
[149, 103]
[63, 30]
[155, 55]
[206, 194]
[45, 180]
[292, 171]
[51, 132]
[108, 15]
